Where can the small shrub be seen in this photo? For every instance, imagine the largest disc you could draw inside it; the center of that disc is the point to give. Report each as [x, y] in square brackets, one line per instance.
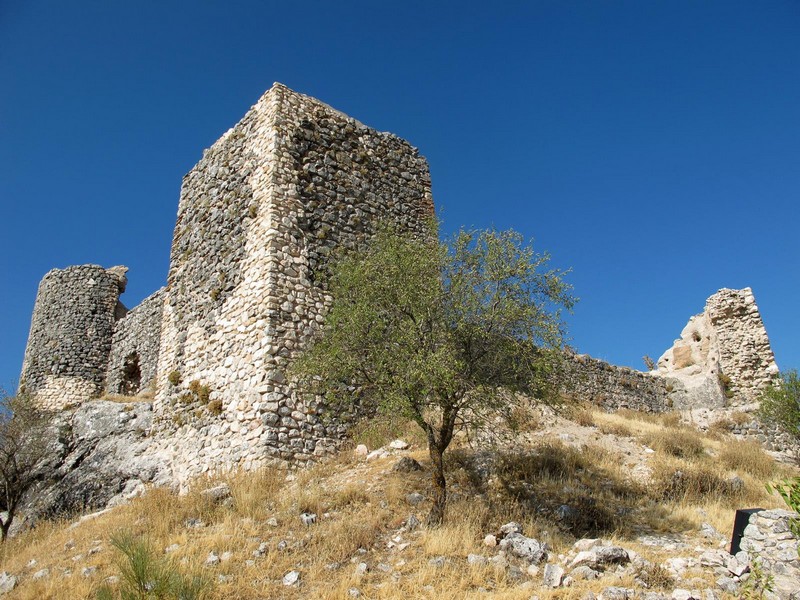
[760, 584]
[145, 576]
[670, 419]
[649, 363]
[174, 377]
[215, 407]
[740, 418]
[615, 429]
[655, 576]
[201, 392]
[721, 427]
[584, 417]
[725, 384]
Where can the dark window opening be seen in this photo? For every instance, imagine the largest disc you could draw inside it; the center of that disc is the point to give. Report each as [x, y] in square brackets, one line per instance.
[131, 375]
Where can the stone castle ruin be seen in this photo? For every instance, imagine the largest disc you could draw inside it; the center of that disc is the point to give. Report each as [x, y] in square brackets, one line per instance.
[258, 220]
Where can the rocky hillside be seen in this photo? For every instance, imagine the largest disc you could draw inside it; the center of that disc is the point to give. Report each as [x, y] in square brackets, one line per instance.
[595, 505]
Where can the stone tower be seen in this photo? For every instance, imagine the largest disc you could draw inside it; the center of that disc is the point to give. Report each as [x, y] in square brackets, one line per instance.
[71, 332]
[259, 217]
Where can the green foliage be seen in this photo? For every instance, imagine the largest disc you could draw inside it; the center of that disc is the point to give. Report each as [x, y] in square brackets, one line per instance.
[725, 384]
[146, 576]
[780, 405]
[760, 584]
[441, 333]
[174, 377]
[789, 490]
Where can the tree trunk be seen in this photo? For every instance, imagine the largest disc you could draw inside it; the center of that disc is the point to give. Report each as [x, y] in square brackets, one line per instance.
[436, 516]
[6, 525]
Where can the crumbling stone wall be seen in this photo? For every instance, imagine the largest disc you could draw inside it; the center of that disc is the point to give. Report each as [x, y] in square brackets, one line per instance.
[71, 332]
[723, 357]
[612, 388]
[258, 219]
[745, 354]
[133, 361]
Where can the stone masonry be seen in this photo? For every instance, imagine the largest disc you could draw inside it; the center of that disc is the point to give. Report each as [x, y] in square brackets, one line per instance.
[70, 337]
[260, 218]
[768, 538]
[723, 357]
[134, 348]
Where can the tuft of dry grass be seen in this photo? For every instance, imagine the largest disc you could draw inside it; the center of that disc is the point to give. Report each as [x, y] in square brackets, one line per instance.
[680, 442]
[747, 457]
[583, 416]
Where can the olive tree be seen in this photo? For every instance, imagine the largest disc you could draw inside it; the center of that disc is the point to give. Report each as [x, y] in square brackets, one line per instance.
[24, 451]
[441, 333]
[779, 406]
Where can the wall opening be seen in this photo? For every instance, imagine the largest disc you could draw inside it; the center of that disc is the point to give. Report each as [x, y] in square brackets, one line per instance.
[131, 380]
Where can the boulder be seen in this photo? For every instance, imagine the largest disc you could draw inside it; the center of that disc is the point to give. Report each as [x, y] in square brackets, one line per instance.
[526, 548]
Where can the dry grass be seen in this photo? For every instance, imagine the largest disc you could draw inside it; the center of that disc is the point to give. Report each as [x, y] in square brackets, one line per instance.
[583, 416]
[747, 457]
[361, 507]
[681, 442]
[378, 431]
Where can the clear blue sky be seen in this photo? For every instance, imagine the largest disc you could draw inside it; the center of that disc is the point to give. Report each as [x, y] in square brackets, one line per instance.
[654, 147]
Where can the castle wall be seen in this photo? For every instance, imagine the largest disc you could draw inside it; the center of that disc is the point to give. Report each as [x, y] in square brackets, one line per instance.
[133, 361]
[612, 388]
[258, 218]
[71, 332]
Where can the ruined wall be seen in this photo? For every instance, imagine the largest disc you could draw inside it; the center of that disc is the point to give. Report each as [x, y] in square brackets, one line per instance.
[745, 355]
[612, 388]
[133, 361]
[258, 218]
[71, 332]
[723, 357]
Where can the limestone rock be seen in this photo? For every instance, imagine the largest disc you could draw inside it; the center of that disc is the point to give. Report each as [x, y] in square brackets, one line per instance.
[406, 465]
[525, 548]
[7, 582]
[291, 578]
[553, 574]
[101, 455]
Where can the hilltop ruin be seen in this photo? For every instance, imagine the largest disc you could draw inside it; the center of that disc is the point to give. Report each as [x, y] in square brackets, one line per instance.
[258, 220]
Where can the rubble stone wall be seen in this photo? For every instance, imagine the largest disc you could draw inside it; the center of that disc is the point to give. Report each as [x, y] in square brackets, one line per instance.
[133, 361]
[612, 388]
[745, 355]
[258, 219]
[723, 357]
[769, 539]
[71, 332]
